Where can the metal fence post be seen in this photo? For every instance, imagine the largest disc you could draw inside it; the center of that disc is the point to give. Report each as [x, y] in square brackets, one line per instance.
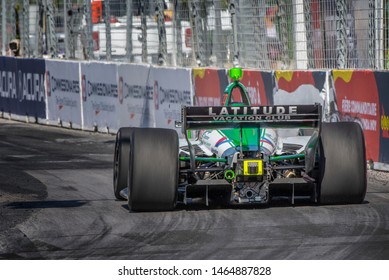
[197, 32]
[88, 35]
[372, 35]
[12, 20]
[260, 56]
[25, 30]
[284, 34]
[247, 26]
[177, 32]
[194, 43]
[309, 34]
[380, 57]
[107, 21]
[341, 34]
[129, 31]
[300, 38]
[39, 29]
[217, 34]
[69, 46]
[162, 47]
[144, 30]
[232, 8]
[3, 28]
[65, 25]
[50, 29]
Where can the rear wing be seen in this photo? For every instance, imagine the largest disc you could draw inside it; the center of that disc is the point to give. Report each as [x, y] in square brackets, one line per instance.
[277, 116]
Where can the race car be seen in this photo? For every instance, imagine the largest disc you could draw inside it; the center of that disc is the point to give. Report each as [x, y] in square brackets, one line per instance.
[240, 153]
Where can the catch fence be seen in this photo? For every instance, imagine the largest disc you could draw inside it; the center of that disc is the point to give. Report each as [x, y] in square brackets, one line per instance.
[265, 34]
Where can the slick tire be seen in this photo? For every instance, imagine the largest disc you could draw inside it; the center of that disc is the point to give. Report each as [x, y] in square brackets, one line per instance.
[121, 162]
[342, 164]
[153, 177]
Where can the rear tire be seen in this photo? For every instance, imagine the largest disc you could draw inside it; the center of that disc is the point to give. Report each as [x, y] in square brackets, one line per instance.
[342, 164]
[153, 179]
[121, 162]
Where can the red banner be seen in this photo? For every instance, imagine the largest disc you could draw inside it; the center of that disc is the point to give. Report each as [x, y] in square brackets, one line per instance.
[209, 85]
[357, 100]
[259, 85]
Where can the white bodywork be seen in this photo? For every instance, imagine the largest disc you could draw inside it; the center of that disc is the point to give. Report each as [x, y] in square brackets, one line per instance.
[208, 145]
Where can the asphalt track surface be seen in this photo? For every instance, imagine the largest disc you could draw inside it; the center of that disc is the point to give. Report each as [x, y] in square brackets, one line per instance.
[56, 202]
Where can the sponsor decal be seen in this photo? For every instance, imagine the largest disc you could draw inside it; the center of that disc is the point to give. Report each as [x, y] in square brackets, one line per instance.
[102, 106]
[62, 85]
[102, 89]
[253, 118]
[168, 101]
[356, 99]
[8, 84]
[64, 101]
[357, 108]
[137, 92]
[263, 110]
[31, 86]
[384, 124]
[269, 113]
[169, 96]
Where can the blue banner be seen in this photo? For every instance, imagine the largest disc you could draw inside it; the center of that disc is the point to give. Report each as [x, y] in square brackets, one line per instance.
[22, 87]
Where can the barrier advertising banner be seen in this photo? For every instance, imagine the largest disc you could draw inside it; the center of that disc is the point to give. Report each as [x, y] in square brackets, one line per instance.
[382, 82]
[172, 89]
[8, 85]
[356, 99]
[299, 87]
[63, 93]
[100, 102]
[30, 76]
[259, 85]
[135, 96]
[22, 87]
[209, 85]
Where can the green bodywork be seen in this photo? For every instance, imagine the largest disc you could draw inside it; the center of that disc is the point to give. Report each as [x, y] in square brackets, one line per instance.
[247, 138]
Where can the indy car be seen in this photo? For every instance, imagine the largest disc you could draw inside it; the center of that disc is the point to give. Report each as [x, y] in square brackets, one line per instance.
[241, 154]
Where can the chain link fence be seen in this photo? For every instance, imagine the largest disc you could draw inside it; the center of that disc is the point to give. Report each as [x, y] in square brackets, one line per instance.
[265, 34]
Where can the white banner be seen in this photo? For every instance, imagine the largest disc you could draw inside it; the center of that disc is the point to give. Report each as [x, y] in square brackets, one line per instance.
[172, 89]
[135, 96]
[100, 101]
[62, 80]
